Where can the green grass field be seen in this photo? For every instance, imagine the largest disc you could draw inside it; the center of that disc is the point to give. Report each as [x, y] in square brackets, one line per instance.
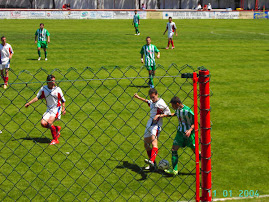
[100, 152]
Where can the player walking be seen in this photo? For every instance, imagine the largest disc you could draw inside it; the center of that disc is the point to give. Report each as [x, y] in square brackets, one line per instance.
[42, 38]
[149, 51]
[153, 127]
[136, 22]
[55, 103]
[171, 27]
[185, 133]
[6, 53]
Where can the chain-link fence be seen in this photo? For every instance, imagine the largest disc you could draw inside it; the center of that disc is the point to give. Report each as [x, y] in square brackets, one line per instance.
[101, 151]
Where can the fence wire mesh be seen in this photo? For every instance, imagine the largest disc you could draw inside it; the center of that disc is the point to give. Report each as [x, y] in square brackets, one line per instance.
[101, 151]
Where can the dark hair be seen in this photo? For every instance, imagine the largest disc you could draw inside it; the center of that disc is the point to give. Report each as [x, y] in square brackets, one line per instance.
[147, 37]
[41, 24]
[3, 37]
[170, 17]
[175, 100]
[50, 76]
[153, 90]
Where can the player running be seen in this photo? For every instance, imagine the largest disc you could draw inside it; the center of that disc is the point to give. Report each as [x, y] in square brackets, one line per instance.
[171, 27]
[55, 104]
[185, 133]
[149, 51]
[136, 22]
[6, 53]
[153, 127]
[41, 36]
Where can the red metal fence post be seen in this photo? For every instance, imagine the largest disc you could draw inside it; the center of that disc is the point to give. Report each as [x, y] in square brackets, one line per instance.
[205, 126]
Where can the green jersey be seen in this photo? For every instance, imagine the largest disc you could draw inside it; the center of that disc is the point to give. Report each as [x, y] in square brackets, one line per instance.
[185, 118]
[42, 34]
[149, 52]
[136, 19]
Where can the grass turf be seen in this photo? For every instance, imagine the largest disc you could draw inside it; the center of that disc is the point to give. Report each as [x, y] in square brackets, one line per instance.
[90, 163]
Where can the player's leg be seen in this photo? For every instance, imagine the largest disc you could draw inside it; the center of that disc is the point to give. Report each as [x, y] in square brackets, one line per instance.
[38, 50]
[172, 42]
[138, 33]
[6, 76]
[2, 72]
[45, 51]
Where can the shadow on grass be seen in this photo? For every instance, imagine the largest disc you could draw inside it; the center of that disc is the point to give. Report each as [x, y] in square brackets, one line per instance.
[37, 139]
[31, 59]
[133, 167]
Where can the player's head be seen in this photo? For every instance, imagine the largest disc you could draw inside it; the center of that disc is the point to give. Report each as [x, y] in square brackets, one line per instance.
[170, 19]
[153, 94]
[3, 39]
[148, 40]
[135, 11]
[176, 102]
[51, 80]
[41, 25]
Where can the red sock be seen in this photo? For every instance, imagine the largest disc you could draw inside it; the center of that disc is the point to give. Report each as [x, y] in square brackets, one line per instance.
[154, 154]
[149, 153]
[168, 43]
[6, 79]
[172, 43]
[53, 131]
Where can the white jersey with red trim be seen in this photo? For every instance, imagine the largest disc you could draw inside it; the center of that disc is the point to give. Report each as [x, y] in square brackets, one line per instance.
[171, 27]
[158, 107]
[5, 52]
[54, 97]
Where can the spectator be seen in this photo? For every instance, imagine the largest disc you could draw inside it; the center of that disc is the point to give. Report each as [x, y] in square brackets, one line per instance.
[64, 6]
[205, 8]
[68, 6]
[209, 7]
[143, 7]
[199, 7]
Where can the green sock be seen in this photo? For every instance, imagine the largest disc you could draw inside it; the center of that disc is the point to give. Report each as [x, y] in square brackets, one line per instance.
[174, 159]
[151, 79]
[45, 54]
[38, 51]
[137, 30]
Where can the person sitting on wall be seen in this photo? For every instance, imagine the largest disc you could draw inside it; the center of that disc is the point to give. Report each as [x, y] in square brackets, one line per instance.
[199, 7]
[209, 7]
[64, 7]
[68, 6]
[205, 8]
[143, 7]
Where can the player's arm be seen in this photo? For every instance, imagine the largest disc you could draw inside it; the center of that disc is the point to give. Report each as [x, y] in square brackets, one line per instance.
[63, 108]
[163, 115]
[140, 98]
[142, 61]
[175, 30]
[188, 132]
[35, 38]
[48, 39]
[165, 30]
[159, 54]
[32, 101]
[11, 54]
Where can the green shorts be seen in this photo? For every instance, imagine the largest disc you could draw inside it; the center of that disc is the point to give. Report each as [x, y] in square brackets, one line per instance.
[151, 68]
[182, 141]
[135, 25]
[42, 44]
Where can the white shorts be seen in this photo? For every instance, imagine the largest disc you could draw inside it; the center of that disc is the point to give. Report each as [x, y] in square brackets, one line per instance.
[55, 112]
[170, 35]
[152, 130]
[5, 65]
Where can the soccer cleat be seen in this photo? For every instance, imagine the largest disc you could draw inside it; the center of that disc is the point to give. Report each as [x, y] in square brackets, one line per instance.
[171, 171]
[151, 86]
[147, 161]
[5, 86]
[39, 58]
[54, 141]
[173, 47]
[135, 34]
[46, 59]
[150, 167]
[138, 34]
[167, 47]
[58, 128]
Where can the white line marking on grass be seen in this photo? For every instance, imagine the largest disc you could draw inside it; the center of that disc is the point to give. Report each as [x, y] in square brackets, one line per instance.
[239, 198]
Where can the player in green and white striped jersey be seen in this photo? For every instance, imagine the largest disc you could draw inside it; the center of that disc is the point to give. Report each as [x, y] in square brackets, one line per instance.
[41, 40]
[149, 51]
[136, 22]
[185, 132]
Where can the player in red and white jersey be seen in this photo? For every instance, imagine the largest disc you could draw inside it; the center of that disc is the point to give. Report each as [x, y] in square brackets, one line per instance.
[6, 53]
[153, 128]
[171, 27]
[55, 105]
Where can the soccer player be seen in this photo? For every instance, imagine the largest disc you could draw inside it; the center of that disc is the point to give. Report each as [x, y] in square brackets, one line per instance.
[42, 38]
[136, 22]
[55, 104]
[185, 133]
[153, 127]
[149, 51]
[171, 27]
[6, 53]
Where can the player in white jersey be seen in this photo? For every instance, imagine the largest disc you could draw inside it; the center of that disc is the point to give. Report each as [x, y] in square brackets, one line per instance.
[153, 127]
[6, 53]
[55, 105]
[171, 27]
